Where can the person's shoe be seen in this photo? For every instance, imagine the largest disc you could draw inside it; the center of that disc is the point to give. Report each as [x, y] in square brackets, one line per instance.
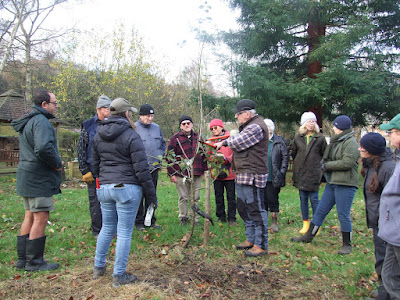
[222, 220]
[184, 221]
[98, 271]
[232, 223]
[346, 248]
[125, 278]
[308, 237]
[140, 227]
[274, 222]
[244, 246]
[21, 251]
[96, 236]
[306, 225]
[155, 226]
[34, 256]
[256, 251]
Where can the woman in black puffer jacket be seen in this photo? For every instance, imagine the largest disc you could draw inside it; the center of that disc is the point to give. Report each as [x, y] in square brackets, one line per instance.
[377, 168]
[120, 163]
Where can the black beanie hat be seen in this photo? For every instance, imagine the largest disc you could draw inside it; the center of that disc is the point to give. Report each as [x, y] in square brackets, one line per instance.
[146, 109]
[185, 118]
[342, 122]
[374, 143]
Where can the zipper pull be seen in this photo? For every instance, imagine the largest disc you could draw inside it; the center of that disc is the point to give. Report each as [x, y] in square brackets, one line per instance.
[387, 215]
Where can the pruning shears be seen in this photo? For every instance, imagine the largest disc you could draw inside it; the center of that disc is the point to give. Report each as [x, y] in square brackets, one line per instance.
[210, 141]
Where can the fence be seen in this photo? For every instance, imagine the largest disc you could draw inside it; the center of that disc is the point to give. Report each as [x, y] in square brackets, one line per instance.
[10, 157]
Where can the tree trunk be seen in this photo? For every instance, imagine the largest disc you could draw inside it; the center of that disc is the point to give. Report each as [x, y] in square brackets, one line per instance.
[28, 70]
[207, 208]
[315, 31]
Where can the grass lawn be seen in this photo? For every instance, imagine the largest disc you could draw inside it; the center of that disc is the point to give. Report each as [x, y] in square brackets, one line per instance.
[165, 270]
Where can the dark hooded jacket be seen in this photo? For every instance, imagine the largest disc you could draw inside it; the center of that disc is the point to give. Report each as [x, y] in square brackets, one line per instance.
[372, 200]
[280, 161]
[307, 161]
[37, 174]
[119, 157]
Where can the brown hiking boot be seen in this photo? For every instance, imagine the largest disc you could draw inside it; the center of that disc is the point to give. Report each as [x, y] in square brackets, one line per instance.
[256, 251]
[245, 245]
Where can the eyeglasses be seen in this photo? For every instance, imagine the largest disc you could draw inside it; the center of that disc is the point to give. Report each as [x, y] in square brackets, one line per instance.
[388, 132]
[186, 123]
[214, 128]
[55, 103]
[241, 112]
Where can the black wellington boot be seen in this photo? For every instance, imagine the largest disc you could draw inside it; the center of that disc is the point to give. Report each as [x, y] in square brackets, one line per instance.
[21, 250]
[346, 248]
[34, 256]
[308, 237]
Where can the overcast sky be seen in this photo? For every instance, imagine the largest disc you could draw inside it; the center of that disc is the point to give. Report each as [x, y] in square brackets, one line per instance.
[166, 25]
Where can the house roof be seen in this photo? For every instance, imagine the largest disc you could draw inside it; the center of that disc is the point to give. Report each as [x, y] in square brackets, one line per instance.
[13, 106]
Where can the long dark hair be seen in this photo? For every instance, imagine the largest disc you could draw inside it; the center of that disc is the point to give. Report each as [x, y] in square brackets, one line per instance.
[374, 183]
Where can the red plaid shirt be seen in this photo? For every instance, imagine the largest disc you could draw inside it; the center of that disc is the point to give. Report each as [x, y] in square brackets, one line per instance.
[189, 145]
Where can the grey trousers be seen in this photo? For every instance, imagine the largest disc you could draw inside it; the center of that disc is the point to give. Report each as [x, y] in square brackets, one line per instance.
[391, 271]
[183, 189]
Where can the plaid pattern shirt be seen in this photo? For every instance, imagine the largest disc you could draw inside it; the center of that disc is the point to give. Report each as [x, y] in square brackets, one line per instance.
[189, 144]
[247, 138]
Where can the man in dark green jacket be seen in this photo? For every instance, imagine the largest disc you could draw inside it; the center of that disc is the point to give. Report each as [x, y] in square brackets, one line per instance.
[38, 179]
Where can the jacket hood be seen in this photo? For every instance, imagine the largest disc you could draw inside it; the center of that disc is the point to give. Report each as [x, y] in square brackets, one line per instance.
[387, 155]
[113, 127]
[19, 124]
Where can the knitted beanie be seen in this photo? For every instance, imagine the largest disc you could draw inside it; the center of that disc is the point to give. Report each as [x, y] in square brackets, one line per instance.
[309, 115]
[342, 122]
[374, 143]
[216, 122]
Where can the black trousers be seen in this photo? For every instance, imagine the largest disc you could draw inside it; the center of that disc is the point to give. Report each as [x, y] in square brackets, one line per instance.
[95, 208]
[271, 197]
[229, 186]
[142, 210]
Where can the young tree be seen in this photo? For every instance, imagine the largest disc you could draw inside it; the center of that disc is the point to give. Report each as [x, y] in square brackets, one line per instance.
[328, 55]
[34, 33]
[18, 11]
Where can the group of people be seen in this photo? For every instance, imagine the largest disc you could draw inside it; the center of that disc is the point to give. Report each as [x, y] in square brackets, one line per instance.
[338, 162]
[119, 161]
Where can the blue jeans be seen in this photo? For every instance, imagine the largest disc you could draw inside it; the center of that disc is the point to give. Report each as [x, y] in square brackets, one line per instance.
[250, 205]
[391, 271]
[119, 208]
[343, 197]
[304, 195]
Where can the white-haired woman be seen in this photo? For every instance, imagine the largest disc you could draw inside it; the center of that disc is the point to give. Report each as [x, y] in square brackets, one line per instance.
[307, 150]
[278, 161]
